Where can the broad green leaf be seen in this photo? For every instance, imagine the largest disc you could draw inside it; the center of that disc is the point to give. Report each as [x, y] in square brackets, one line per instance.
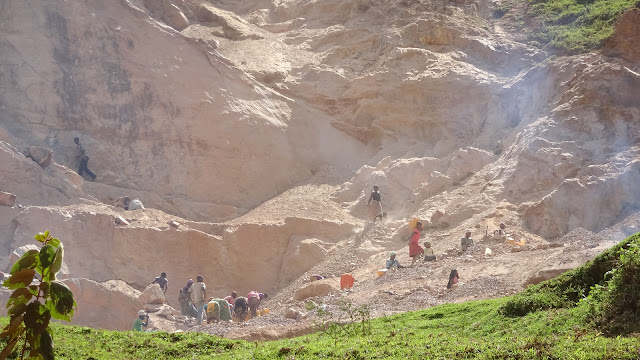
[20, 279]
[54, 242]
[40, 237]
[34, 289]
[46, 234]
[36, 319]
[57, 262]
[47, 253]
[13, 326]
[46, 346]
[20, 296]
[61, 304]
[27, 261]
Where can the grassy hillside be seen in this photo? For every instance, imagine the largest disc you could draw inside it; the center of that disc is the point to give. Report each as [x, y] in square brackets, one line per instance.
[589, 313]
[570, 26]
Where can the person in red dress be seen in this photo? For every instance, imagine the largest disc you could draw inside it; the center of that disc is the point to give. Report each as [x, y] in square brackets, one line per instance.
[415, 250]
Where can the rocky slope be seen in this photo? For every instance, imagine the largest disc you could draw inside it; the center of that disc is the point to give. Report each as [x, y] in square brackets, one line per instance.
[261, 126]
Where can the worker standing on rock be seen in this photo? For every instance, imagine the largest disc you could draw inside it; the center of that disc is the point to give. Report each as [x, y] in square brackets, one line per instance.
[162, 281]
[198, 294]
[415, 250]
[84, 159]
[375, 209]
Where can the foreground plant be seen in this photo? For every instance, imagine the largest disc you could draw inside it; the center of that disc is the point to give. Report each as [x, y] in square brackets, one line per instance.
[38, 297]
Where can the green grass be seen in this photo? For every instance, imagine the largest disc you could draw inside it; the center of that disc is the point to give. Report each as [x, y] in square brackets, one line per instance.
[569, 26]
[472, 330]
[588, 313]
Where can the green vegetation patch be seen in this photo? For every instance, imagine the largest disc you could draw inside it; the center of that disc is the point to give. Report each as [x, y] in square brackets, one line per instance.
[571, 26]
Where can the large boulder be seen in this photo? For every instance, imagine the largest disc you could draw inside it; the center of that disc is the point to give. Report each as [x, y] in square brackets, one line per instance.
[153, 294]
[316, 288]
[102, 307]
[168, 12]
[40, 155]
[7, 199]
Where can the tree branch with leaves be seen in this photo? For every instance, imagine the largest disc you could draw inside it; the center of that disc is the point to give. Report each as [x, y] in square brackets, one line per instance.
[37, 297]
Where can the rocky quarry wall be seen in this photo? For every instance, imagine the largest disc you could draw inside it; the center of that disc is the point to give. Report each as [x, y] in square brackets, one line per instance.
[260, 128]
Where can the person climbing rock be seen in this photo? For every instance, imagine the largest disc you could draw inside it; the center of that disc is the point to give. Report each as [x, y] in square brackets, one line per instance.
[198, 294]
[84, 159]
[375, 209]
[141, 320]
[466, 242]
[392, 262]
[162, 281]
[415, 250]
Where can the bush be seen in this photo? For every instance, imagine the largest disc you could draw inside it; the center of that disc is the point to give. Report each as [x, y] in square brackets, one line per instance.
[569, 288]
[614, 307]
[571, 26]
[522, 305]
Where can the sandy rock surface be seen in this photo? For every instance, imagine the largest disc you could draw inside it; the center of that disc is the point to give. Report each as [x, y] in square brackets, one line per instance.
[259, 128]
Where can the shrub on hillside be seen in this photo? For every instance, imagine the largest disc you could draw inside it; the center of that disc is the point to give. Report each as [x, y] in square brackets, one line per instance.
[614, 307]
[569, 288]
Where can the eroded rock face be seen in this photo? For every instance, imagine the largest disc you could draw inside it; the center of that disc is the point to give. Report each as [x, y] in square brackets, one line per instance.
[97, 248]
[102, 307]
[211, 112]
[625, 43]
[130, 95]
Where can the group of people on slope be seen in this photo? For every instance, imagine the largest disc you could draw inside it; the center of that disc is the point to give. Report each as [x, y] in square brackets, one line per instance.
[194, 303]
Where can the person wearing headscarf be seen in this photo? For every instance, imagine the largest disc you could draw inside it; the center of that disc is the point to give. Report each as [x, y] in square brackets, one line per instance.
[392, 262]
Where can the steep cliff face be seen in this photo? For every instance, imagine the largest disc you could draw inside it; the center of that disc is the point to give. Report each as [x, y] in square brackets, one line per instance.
[261, 126]
[159, 113]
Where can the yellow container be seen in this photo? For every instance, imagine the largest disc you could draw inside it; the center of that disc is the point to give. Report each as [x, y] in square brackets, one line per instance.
[413, 222]
[381, 272]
